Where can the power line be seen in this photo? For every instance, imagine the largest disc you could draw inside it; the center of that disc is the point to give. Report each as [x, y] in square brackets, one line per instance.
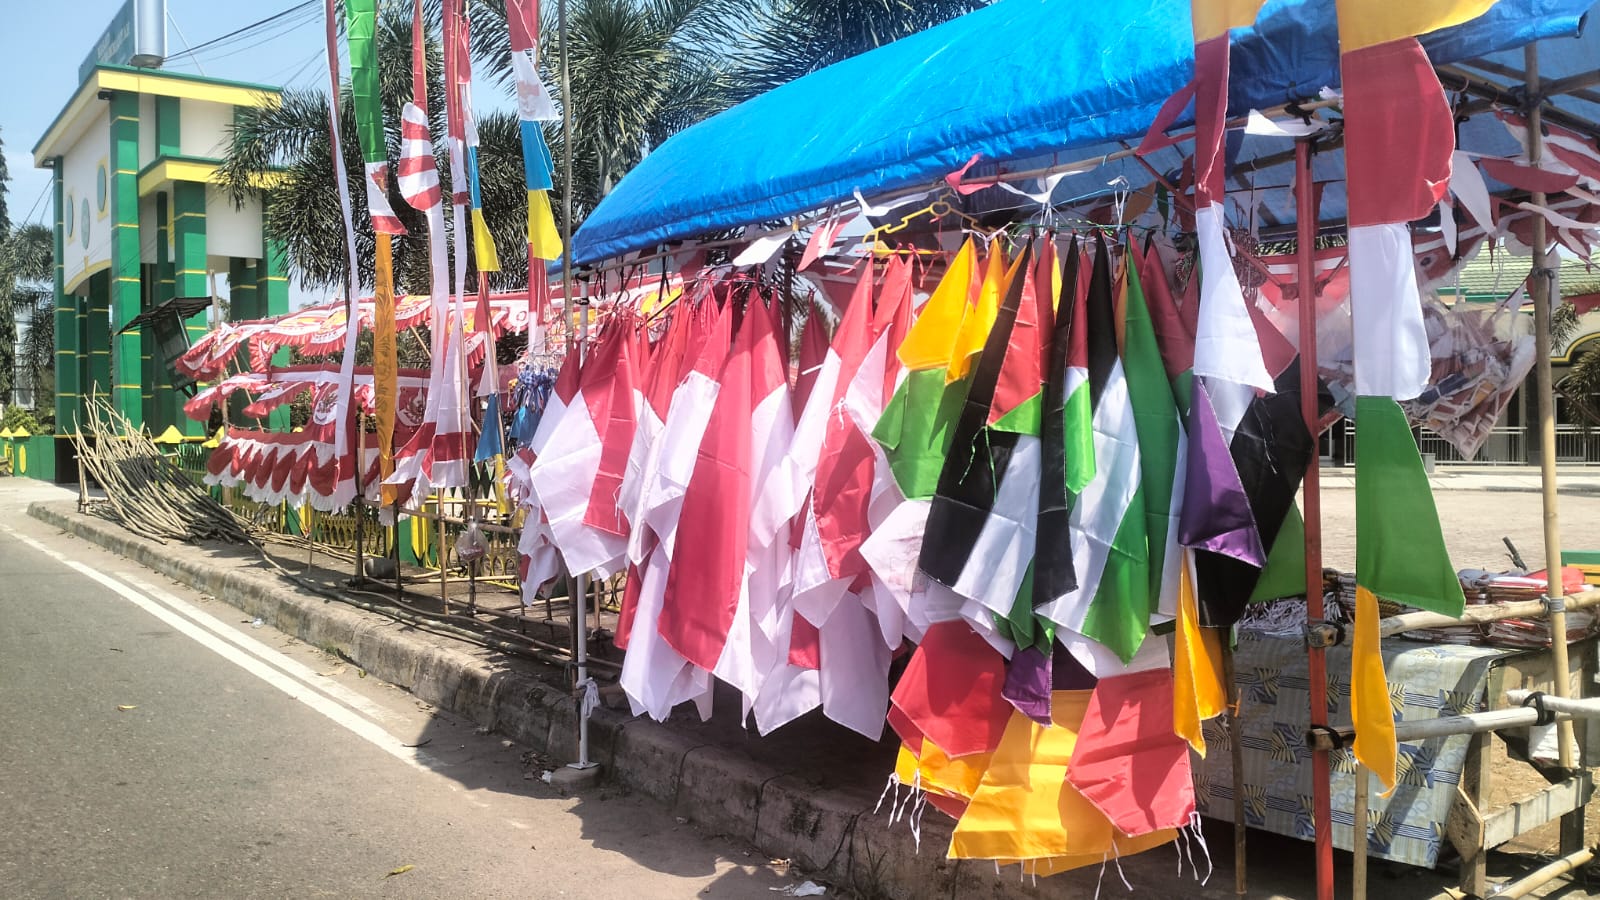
[190, 51]
[232, 45]
[28, 219]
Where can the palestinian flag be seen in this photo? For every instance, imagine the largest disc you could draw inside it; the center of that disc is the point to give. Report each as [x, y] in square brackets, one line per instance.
[1066, 441]
[1163, 446]
[1269, 454]
[918, 424]
[1399, 140]
[979, 537]
[1109, 531]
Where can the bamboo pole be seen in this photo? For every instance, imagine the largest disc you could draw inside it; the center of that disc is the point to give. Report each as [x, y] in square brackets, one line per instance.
[1446, 726]
[1316, 659]
[444, 565]
[1582, 709]
[1236, 758]
[1532, 881]
[1358, 841]
[1572, 823]
[1483, 614]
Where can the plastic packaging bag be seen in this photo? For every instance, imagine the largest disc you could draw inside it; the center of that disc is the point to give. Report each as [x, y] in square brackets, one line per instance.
[472, 545]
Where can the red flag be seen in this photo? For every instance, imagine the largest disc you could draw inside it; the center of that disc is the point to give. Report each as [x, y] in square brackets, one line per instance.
[1128, 762]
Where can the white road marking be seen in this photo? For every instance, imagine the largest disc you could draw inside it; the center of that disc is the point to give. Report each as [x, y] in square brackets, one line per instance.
[272, 657]
[251, 662]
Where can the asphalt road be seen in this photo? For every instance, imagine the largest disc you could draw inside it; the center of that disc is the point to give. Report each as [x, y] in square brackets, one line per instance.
[154, 745]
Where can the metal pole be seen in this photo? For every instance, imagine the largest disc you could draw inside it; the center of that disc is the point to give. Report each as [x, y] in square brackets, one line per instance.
[580, 621]
[360, 506]
[580, 584]
[1316, 662]
[1539, 284]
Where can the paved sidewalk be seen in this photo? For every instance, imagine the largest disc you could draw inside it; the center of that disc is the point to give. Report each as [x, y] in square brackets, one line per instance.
[1569, 479]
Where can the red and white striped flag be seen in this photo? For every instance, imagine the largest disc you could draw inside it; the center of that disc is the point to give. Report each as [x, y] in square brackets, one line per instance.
[419, 173]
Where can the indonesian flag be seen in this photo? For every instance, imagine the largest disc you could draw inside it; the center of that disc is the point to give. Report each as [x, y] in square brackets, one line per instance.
[669, 365]
[720, 610]
[617, 430]
[813, 352]
[869, 392]
[1399, 142]
[818, 567]
[565, 469]
[655, 676]
[338, 452]
[843, 608]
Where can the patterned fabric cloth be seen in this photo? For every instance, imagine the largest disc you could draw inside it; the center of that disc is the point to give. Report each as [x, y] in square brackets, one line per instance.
[1426, 681]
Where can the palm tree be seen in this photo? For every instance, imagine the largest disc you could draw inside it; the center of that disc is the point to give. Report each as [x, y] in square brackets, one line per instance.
[641, 71]
[292, 139]
[798, 37]
[26, 259]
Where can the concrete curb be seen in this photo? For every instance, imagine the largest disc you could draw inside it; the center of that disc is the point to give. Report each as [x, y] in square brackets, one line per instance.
[832, 835]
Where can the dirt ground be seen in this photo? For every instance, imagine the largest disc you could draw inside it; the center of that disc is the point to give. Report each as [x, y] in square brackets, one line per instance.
[1474, 523]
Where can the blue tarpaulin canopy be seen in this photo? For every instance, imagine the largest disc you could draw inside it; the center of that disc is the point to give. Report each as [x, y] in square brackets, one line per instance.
[1018, 80]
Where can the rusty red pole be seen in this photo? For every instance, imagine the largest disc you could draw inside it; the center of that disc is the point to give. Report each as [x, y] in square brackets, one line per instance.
[1316, 664]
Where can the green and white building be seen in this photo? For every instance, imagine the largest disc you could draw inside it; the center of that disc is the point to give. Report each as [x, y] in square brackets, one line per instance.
[139, 221]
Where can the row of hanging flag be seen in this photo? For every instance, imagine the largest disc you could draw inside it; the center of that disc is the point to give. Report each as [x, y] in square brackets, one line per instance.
[1016, 478]
[1020, 469]
[1020, 482]
[434, 452]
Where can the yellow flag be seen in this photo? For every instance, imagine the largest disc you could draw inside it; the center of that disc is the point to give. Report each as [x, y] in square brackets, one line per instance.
[957, 777]
[544, 239]
[1370, 709]
[1213, 18]
[483, 244]
[979, 321]
[1367, 23]
[385, 363]
[1198, 690]
[1025, 811]
[927, 344]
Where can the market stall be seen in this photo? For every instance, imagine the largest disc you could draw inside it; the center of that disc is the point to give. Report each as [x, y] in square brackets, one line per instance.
[970, 390]
[1092, 170]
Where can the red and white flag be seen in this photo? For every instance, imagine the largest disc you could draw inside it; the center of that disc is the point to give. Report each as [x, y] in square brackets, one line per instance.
[655, 676]
[564, 472]
[719, 610]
